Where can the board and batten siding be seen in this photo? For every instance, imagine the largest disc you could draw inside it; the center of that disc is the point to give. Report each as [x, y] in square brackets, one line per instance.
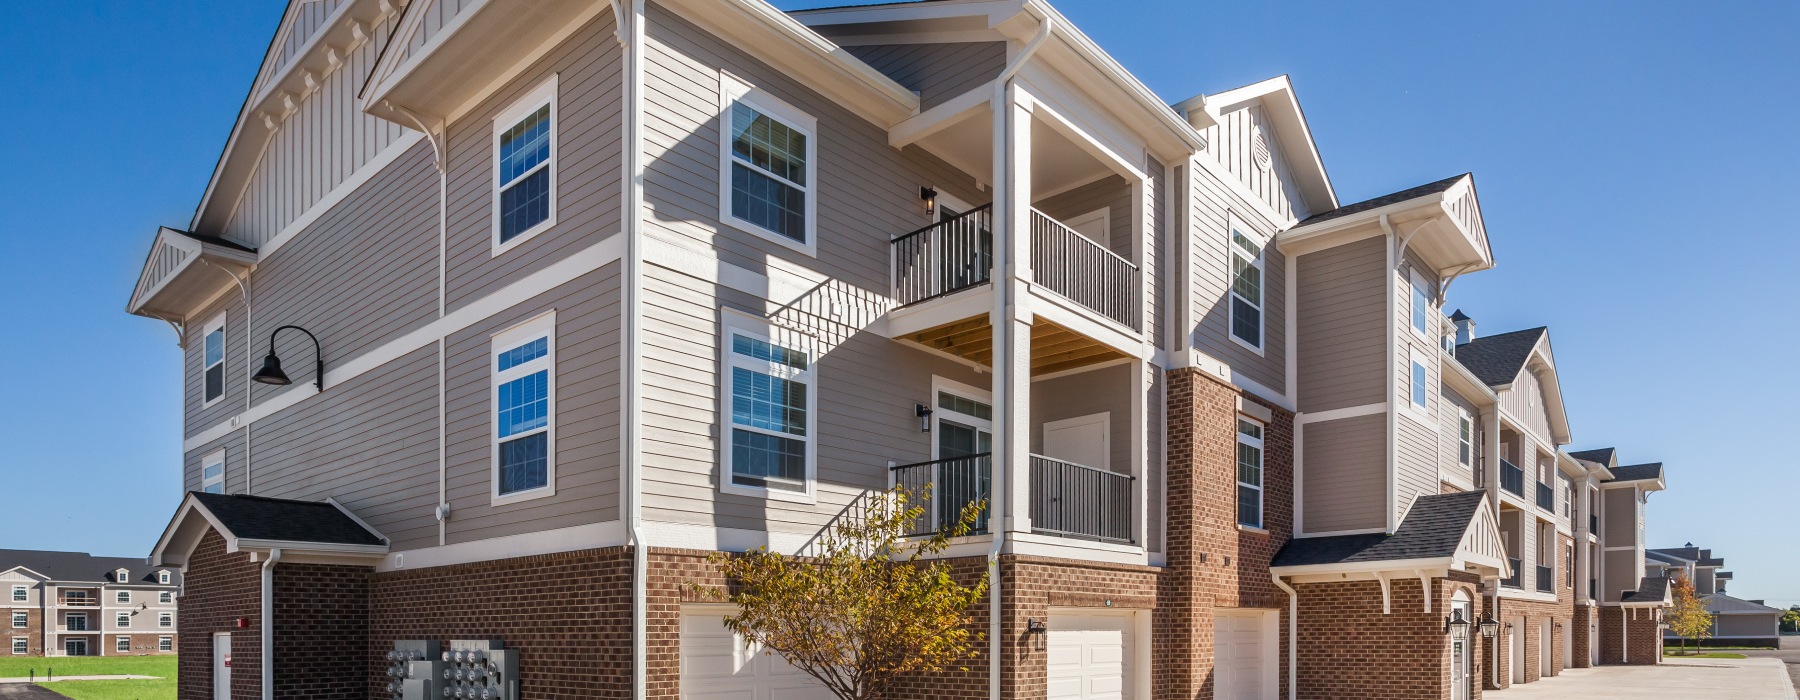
[587, 131]
[587, 414]
[308, 18]
[359, 277]
[1344, 477]
[1343, 337]
[1232, 144]
[1211, 207]
[1525, 402]
[313, 151]
[937, 72]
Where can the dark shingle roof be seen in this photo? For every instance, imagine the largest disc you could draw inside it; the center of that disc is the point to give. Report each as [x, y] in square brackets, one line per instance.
[260, 518]
[1652, 589]
[1433, 528]
[1722, 574]
[1497, 359]
[1667, 557]
[1384, 200]
[215, 240]
[81, 566]
[1711, 562]
[1602, 456]
[1641, 472]
[1459, 316]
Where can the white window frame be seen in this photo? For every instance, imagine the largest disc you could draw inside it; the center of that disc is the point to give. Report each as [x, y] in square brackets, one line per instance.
[733, 90]
[543, 325]
[531, 102]
[122, 620]
[69, 622]
[165, 597]
[21, 594]
[1465, 437]
[1421, 290]
[214, 457]
[216, 324]
[21, 619]
[122, 643]
[164, 577]
[121, 575]
[735, 322]
[1235, 225]
[21, 645]
[122, 597]
[165, 620]
[1262, 515]
[1418, 382]
[165, 643]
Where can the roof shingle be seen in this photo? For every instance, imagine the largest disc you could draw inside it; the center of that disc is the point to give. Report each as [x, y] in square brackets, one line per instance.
[1639, 472]
[81, 566]
[1384, 200]
[262, 518]
[1497, 359]
[1433, 528]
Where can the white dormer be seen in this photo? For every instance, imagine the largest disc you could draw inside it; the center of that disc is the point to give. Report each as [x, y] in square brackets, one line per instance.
[121, 576]
[163, 577]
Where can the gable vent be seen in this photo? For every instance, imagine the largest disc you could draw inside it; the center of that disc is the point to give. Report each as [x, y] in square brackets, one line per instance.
[1259, 148]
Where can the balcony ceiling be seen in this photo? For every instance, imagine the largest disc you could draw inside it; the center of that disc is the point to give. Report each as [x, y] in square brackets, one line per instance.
[1053, 348]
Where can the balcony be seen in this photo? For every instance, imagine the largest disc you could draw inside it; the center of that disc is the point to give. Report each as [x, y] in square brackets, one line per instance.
[1512, 478]
[958, 254]
[1546, 497]
[1546, 579]
[1513, 580]
[77, 601]
[1067, 499]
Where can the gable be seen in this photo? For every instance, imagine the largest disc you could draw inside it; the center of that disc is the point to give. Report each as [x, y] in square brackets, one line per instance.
[1245, 144]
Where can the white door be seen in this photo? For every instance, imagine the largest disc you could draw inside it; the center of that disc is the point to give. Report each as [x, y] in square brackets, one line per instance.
[1546, 649]
[1517, 658]
[716, 666]
[1460, 659]
[75, 647]
[1568, 648]
[1085, 440]
[221, 667]
[1244, 650]
[1090, 655]
[1593, 643]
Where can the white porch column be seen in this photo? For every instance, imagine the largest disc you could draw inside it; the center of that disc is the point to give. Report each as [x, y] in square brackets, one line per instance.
[1012, 311]
[1490, 455]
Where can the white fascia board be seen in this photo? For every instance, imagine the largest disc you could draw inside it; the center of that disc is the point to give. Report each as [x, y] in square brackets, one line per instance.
[1116, 75]
[1469, 383]
[1283, 104]
[375, 551]
[359, 521]
[1364, 566]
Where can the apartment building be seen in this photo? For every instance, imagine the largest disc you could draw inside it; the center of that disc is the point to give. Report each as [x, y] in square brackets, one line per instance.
[76, 604]
[1736, 621]
[1623, 614]
[498, 317]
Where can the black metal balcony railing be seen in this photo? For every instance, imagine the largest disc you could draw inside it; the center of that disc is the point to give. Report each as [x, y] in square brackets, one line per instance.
[1546, 497]
[1513, 580]
[1076, 267]
[1512, 478]
[948, 486]
[1546, 579]
[944, 258]
[1074, 500]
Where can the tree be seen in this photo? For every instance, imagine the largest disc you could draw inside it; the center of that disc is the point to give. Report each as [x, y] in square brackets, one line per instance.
[1689, 619]
[1790, 620]
[866, 605]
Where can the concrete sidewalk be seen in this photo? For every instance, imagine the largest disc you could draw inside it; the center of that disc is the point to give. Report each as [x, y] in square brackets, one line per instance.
[1739, 679]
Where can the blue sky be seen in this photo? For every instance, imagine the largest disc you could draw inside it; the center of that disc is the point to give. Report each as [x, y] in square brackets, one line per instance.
[1635, 163]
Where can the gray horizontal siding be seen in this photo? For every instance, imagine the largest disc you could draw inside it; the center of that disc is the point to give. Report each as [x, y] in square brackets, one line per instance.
[1211, 206]
[1107, 390]
[233, 444]
[937, 72]
[588, 193]
[1112, 192]
[196, 416]
[1415, 463]
[1450, 451]
[587, 415]
[1342, 326]
[1344, 474]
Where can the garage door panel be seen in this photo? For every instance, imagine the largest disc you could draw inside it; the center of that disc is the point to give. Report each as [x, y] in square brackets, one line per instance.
[1242, 655]
[1088, 656]
[715, 665]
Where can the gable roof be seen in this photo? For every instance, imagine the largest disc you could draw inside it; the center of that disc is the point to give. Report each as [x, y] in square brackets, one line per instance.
[1282, 106]
[1602, 456]
[1438, 187]
[1650, 590]
[1667, 557]
[81, 566]
[1721, 604]
[256, 523]
[1433, 529]
[1641, 472]
[1498, 359]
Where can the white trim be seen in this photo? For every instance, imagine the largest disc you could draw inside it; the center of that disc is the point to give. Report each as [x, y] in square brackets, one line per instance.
[165, 620]
[214, 457]
[567, 539]
[122, 596]
[1341, 413]
[18, 642]
[165, 642]
[215, 324]
[734, 90]
[733, 322]
[17, 589]
[1234, 226]
[1261, 468]
[543, 95]
[1420, 287]
[21, 619]
[122, 620]
[542, 326]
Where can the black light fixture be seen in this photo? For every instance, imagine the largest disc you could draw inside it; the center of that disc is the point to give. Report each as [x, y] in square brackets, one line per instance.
[1457, 625]
[271, 370]
[929, 195]
[924, 414]
[1036, 626]
[1490, 628]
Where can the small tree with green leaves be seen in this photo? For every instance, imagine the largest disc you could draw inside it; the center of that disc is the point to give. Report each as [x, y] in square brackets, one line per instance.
[1790, 620]
[1689, 619]
[865, 606]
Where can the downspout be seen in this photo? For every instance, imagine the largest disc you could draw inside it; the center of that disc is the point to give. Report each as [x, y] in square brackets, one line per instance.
[440, 147]
[1293, 667]
[267, 634]
[1391, 307]
[997, 500]
[631, 40]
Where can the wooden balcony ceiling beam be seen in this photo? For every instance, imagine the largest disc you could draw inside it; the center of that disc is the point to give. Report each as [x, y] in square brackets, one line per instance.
[1053, 347]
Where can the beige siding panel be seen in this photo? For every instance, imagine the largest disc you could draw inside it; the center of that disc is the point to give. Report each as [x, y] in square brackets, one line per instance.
[1768, 625]
[1450, 447]
[588, 193]
[313, 151]
[1620, 569]
[196, 416]
[379, 244]
[1211, 208]
[1416, 446]
[587, 414]
[1231, 144]
[437, 14]
[1341, 326]
[1345, 474]
[371, 443]
[1415, 463]
[937, 72]
[1107, 390]
[1618, 526]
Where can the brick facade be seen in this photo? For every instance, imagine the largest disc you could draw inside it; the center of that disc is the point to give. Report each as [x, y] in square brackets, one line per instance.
[1350, 648]
[319, 610]
[1581, 635]
[33, 632]
[219, 588]
[1642, 636]
[142, 644]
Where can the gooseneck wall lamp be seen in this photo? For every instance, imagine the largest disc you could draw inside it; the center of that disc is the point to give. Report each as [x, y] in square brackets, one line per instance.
[271, 370]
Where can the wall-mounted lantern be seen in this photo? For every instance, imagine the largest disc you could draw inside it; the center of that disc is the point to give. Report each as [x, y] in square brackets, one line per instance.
[271, 370]
[1457, 625]
[928, 194]
[1036, 626]
[1490, 628]
[924, 413]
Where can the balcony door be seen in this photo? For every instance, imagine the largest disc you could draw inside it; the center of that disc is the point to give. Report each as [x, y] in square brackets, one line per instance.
[963, 424]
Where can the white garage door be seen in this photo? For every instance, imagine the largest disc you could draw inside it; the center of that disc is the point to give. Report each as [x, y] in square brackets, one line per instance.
[716, 666]
[1090, 654]
[1243, 655]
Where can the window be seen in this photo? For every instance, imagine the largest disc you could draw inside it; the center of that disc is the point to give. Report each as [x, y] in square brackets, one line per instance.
[122, 620]
[1465, 437]
[121, 576]
[165, 644]
[21, 620]
[524, 411]
[162, 577]
[766, 166]
[18, 594]
[165, 597]
[123, 644]
[76, 622]
[1568, 496]
[21, 645]
[525, 168]
[1419, 382]
[769, 395]
[213, 361]
[122, 596]
[1421, 305]
[1246, 288]
[165, 619]
[1249, 472]
[212, 474]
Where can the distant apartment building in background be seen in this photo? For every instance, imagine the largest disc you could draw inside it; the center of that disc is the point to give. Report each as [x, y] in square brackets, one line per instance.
[75, 604]
[1736, 621]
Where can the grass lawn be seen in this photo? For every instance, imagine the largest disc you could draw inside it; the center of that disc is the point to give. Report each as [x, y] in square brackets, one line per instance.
[20, 666]
[1704, 655]
[159, 689]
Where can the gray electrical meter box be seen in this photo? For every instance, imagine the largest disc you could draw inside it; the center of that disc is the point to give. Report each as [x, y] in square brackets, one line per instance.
[415, 671]
[480, 670]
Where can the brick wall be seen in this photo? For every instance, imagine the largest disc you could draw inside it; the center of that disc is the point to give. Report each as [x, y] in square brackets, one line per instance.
[142, 644]
[1349, 648]
[218, 589]
[1034, 585]
[1211, 562]
[568, 614]
[1580, 634]
[33, 632]
[1642, 634]
[320, 611]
